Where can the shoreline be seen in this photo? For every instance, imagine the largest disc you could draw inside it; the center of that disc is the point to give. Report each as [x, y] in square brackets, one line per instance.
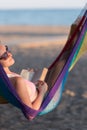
[28, 28]
[13, 34]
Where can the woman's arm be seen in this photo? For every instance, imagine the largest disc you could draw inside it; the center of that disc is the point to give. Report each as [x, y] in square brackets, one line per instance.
[22, 91]
[42, 89]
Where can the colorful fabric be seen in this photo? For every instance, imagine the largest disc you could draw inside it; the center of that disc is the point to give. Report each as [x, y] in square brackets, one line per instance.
[82, 49]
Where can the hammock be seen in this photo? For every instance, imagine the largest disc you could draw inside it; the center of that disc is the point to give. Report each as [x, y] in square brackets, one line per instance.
[57, 74]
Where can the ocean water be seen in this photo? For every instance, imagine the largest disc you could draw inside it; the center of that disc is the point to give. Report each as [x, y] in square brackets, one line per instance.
[39, 17]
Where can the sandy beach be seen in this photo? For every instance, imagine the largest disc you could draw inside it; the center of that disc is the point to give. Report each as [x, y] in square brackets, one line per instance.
[37, 47]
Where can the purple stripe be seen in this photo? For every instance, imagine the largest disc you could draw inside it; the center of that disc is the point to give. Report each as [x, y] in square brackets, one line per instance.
[60, 78]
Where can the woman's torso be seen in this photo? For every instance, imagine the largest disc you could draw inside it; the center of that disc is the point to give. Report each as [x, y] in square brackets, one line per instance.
[30, 86]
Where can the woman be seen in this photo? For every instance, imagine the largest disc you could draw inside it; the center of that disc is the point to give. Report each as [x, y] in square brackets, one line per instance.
[26, 90]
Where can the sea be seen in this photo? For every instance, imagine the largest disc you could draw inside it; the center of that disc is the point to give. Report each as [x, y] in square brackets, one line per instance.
[50, 17]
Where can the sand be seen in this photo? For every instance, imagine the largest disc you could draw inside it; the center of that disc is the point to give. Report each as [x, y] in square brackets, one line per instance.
[37, 51]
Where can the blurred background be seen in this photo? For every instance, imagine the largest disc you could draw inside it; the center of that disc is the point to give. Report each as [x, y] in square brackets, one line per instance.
[36, 23]
[36, 32]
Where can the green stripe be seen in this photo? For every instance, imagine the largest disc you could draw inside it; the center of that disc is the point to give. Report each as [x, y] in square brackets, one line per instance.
[77, 52]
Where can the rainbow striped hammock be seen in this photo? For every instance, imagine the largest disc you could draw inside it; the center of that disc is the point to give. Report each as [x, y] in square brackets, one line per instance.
[57, 72]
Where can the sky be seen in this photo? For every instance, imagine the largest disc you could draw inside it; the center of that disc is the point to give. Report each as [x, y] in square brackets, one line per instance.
[29, 4]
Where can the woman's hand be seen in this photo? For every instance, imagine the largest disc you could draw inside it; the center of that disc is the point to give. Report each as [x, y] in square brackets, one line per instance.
[42, 86]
